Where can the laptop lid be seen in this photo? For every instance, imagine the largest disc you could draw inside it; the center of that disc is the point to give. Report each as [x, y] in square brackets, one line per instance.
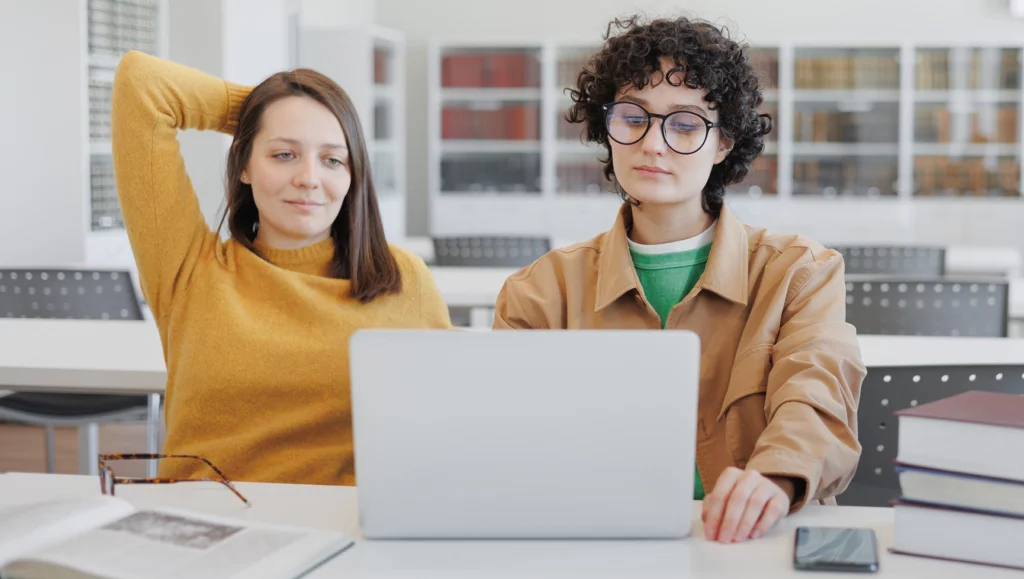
[531, 434]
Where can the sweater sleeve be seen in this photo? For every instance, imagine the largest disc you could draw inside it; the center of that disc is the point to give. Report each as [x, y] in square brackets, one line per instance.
[152, 100]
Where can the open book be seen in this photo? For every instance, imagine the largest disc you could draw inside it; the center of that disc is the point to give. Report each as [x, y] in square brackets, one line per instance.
[107, 538]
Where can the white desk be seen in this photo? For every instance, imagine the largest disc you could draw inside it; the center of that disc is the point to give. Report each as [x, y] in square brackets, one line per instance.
[103, 357]
[479, 287]
[126, 357]
[1005, 261]
[86, 357]
[99, 357]
[471, 287]
[960, 260]
[334, 508]
[1017, 298]
[896, 351]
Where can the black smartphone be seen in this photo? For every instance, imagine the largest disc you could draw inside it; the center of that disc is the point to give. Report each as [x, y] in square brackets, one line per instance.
[835, 549]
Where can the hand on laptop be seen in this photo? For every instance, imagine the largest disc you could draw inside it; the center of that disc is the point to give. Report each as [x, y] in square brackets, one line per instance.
[744, 505]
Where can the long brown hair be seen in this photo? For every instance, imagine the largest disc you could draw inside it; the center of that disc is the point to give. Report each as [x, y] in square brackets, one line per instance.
[361, 252]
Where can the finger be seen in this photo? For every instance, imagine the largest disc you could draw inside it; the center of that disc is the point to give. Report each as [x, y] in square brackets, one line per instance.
[714, 503]
[756, 505]
[776, 508]
[736, 504]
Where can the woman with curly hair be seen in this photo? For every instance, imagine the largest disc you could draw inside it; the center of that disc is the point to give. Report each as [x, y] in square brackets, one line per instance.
[674, 104]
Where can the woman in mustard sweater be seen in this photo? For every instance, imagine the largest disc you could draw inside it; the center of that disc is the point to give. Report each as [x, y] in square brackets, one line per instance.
[255, 329]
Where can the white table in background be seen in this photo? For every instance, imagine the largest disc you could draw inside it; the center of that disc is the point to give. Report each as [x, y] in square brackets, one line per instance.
[960, 260]
[470, 287]
[478, 287]
[110, 357]
[85, 357]
[1017, 298]
[113, 357]
[334, 508]
[966, 260]
[939, 351]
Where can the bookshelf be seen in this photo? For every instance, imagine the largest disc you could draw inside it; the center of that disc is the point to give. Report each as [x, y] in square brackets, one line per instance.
[763, 178]
[845, 122]
[967, 105]
[113, 27]
[387, 134]
[876, 127]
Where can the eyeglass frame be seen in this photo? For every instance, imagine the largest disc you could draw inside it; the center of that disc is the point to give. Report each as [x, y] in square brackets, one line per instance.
[115, 480]
[650, 119]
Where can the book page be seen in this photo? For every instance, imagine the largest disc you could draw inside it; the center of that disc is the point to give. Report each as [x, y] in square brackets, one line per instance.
[159, 544]
[27, 528]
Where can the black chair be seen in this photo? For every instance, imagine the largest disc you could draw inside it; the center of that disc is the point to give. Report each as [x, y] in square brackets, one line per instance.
[909, 306]
[71, 294]
[489, 251]
[894, 260]
[887, 390]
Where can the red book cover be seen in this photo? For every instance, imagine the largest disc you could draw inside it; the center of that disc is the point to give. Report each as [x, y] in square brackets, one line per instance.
[978, 407]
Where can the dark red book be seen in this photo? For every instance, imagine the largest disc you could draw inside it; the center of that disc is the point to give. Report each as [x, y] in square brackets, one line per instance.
[978, 433]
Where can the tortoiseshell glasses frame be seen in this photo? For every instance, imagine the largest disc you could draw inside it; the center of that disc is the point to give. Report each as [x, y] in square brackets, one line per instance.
[108, 481]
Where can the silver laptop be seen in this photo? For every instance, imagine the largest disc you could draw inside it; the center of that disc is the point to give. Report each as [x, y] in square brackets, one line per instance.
[524, 434]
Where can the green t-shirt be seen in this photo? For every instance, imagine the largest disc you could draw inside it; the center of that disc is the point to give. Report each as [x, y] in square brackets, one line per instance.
[666, 278]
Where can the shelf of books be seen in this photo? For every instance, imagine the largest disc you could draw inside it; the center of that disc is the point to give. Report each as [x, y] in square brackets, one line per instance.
[863, 124]
[967, 105]
[114, 27]
[845, 122]
[387, 135]
[763, 178]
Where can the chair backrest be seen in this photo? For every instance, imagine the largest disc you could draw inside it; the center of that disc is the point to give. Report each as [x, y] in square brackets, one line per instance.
[489, 251]
[69, 294]
[909, 306]
[887, 390]
[894, 260]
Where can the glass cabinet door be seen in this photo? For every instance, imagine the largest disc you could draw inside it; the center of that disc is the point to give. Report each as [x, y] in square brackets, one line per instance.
[490, 121]
[763, 176]
[846, 122]
[966, 122]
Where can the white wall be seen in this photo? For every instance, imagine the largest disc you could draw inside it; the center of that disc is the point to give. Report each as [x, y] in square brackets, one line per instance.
[760, 22]
[243, 41]
[337, 13]
[43, 199]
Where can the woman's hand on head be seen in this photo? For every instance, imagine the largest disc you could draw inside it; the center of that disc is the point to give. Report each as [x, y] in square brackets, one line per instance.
[744, 505]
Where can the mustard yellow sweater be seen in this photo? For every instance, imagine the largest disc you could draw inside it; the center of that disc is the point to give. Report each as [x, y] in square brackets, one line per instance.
[256, 351]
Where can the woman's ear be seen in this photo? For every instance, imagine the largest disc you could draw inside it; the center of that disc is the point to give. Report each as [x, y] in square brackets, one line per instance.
[725, 145]
[245, 178]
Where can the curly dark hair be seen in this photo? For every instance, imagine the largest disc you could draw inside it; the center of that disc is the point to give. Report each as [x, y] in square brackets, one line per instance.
[705, 58]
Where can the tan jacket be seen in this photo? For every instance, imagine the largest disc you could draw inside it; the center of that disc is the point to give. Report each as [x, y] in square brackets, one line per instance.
[781, 369]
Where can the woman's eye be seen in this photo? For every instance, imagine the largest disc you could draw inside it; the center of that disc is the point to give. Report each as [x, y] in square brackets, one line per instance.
[334, 162]
[683, 127]
[284, 156]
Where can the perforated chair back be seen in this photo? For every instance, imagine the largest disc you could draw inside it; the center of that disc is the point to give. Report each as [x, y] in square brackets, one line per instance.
[68, 294]
[887, 390]
[489, 251]
[894, 260]
[904, 306]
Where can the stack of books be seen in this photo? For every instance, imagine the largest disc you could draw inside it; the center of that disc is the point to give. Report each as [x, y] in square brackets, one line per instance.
[961, 470]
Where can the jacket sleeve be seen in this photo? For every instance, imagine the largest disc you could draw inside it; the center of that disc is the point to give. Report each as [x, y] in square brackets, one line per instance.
[813, 387]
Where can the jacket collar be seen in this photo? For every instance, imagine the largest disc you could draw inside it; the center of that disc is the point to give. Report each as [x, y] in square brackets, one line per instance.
[725, 274]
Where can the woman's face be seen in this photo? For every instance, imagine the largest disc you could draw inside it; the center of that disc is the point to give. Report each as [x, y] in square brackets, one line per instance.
[299, 171]
[649, 170]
